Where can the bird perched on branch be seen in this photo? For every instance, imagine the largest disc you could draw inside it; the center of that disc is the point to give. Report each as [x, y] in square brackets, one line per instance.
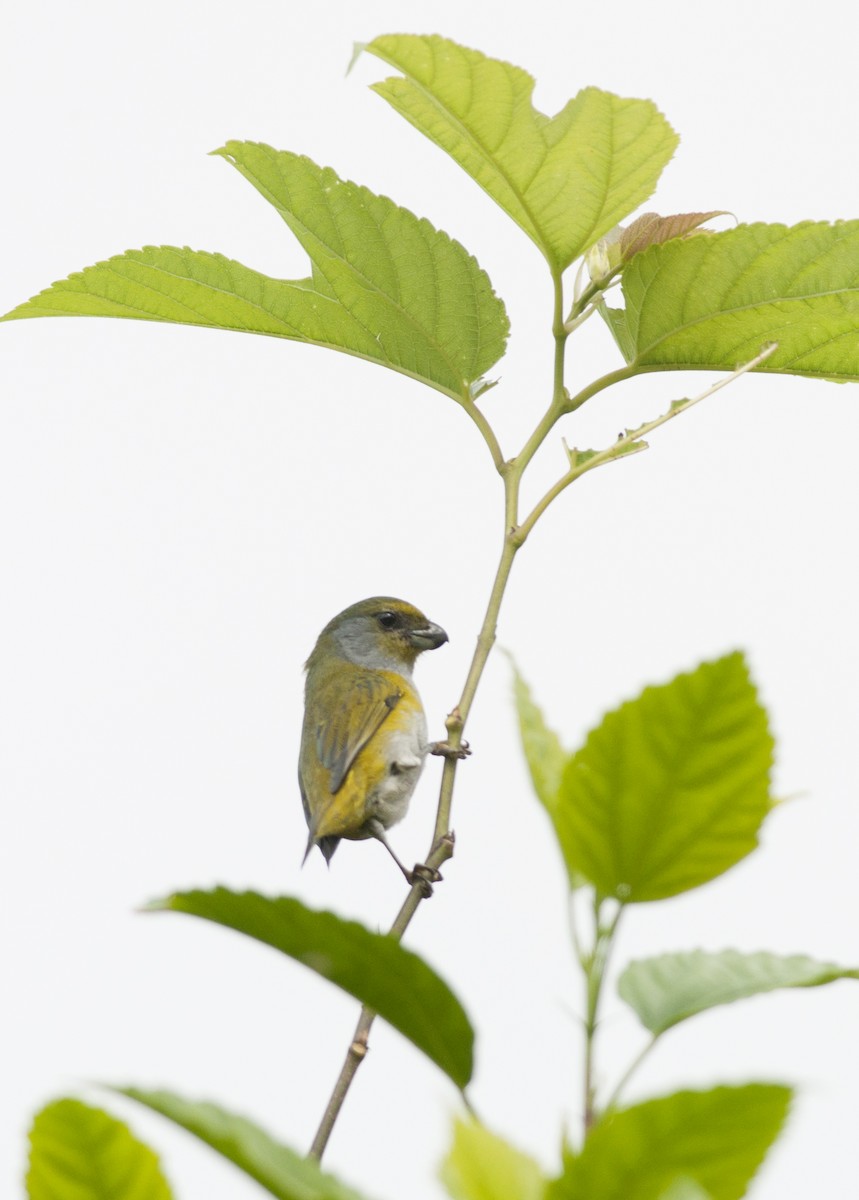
[364, 737]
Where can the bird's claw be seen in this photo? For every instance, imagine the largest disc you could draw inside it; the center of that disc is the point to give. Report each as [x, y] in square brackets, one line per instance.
[445, 750]
[424, 877]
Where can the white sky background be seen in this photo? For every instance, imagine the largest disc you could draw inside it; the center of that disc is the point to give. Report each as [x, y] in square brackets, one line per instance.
[182, 510]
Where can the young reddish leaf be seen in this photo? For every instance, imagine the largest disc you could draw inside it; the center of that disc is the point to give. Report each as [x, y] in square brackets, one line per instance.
[650, 230]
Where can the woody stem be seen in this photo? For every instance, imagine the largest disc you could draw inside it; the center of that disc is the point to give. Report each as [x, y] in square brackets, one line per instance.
[442, 848]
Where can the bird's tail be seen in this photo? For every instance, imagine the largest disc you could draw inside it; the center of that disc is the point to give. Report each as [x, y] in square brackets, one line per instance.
[326, 844]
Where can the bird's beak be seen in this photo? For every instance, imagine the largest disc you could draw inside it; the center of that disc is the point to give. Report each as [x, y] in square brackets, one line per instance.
[428, 638]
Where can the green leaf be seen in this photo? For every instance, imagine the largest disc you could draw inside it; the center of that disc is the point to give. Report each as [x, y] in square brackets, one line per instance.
[616, 320]
[713, 301]
[544, 754]
[283, 1172]
[483, 1166]
[566, 180]
[684, 1188]
[671, 788]
[372, 967]
[81, 1153]
[386, 285]
[664, 991]
[717, 1139]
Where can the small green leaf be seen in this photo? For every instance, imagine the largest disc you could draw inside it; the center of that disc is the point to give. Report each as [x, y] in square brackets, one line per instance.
[578, 458]
[717, 1139]
[714, 301]
[483, 1166]
[634, 447]
[386, 285]
[280, 1170]
[81, 1153]
[615, 319]
[544, 754]
[666, 990]
[671, 788]
[372, 967]
[565, 180]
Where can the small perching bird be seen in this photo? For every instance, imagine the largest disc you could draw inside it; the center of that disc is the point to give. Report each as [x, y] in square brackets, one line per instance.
[364, 738]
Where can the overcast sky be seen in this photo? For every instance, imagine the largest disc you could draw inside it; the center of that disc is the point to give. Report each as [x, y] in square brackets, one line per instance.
[182, 510]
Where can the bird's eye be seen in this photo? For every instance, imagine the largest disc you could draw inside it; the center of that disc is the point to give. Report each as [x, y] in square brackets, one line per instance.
[387, 620]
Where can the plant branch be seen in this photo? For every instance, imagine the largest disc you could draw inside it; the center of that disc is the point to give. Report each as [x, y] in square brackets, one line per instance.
[614, 1098]
[594, 965]
[560, 397]
[599, 385]
[630, 441]
[442, 847]
[357, 1051]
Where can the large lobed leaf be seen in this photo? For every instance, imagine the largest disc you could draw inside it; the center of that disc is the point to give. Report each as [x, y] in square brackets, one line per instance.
[280, 1170]
[386, 285]
[714, 300]
[78, 1152]
[715, 1140]
[373, 967]
[566, 180]
[666, 990]
[483, 1166]
[671, 788]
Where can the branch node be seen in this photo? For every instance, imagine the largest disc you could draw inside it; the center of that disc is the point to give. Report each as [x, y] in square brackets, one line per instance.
[446, 750]
[423, 877]
[359, 1048]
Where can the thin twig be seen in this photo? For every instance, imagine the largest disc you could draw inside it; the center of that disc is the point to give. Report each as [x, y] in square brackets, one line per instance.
[632, 439]
[614, 1098]
[442, 848]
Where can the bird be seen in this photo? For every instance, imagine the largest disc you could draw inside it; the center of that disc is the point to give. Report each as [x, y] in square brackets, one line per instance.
[364, 736]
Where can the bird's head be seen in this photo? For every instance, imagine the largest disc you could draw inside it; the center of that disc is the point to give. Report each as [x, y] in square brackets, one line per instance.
[380, 633]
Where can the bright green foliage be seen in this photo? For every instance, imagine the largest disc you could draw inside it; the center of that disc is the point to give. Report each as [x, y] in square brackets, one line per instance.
[281, 1171]
[81, 1153]
[671, 788]
[386, 285]
[373, 967]
[544, 754]
[684, 1188]
[715, 300]
[566, 180]
[666, 990]
[482, 1166]
[717, 1139]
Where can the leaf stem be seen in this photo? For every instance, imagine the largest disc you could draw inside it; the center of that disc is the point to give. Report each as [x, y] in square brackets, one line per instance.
[594, 966]
[626, 443]
[486, 432]
[599, 385]
[614, 1098]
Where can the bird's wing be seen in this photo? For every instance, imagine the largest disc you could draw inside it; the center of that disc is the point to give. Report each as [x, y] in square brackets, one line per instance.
[343, 733]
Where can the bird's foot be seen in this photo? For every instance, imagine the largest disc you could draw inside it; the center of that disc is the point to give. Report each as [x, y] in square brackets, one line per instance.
[424, 877]
[445, 750]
